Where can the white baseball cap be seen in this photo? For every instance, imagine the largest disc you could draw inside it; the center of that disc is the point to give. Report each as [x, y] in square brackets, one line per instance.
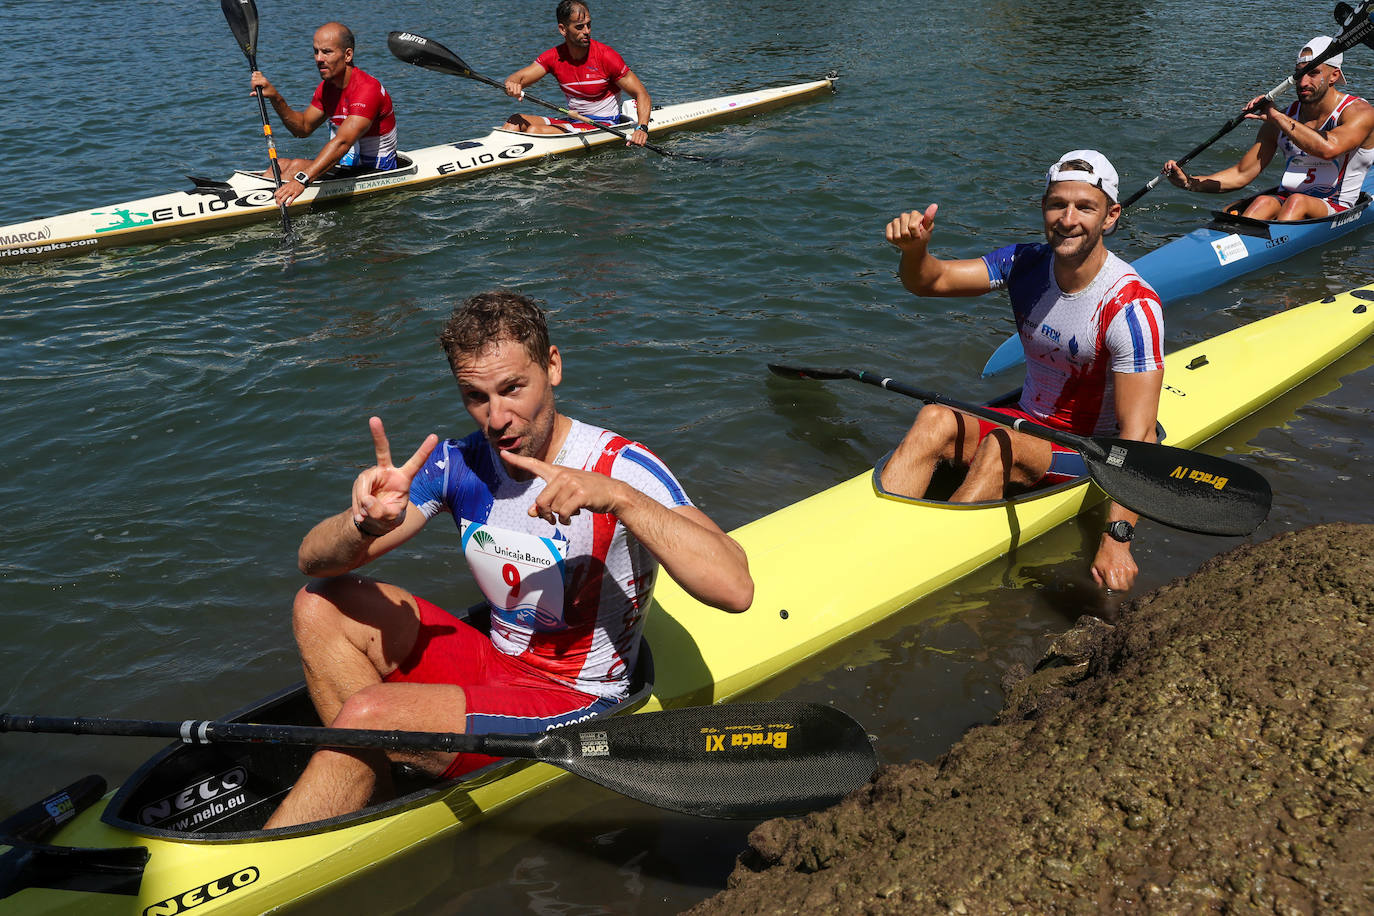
[1314, 48]
[1099, 172]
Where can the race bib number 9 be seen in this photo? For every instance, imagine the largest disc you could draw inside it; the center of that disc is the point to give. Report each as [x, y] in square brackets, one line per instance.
[523, 576]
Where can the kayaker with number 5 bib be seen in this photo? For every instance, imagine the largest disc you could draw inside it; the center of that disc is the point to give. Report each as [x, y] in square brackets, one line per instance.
[563, 525]
[1327, 139]
[1093, 333]
[362, 122]
[592, 75]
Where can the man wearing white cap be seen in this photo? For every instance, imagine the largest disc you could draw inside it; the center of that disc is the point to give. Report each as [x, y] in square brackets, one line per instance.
[1327, 139]
[1093, 333]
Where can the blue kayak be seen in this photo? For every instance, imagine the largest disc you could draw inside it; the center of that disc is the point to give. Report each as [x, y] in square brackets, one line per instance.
[1226, 248]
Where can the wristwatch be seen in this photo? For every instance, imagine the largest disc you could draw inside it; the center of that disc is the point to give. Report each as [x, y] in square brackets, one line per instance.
[643, 127]
[1122, 531]
[303, 178]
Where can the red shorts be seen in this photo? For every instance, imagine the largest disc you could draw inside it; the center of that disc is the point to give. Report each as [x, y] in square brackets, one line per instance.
[504, 695]
[1065, 463]
[570, 125]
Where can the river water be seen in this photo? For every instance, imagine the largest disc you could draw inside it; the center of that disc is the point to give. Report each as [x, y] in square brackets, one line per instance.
[176, 416]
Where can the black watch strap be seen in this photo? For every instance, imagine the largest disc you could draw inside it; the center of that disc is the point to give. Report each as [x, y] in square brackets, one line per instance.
[1122, 531]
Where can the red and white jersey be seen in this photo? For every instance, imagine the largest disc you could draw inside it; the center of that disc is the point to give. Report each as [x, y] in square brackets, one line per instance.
[365, 97]
[590, 85]
[1338, 181]
[567, 599]
[1074, 342]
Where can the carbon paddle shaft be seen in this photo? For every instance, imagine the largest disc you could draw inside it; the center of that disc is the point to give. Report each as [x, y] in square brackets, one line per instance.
[742, 760]
[242, 16]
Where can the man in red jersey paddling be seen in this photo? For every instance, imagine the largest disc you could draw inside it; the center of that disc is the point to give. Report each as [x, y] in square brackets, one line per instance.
[362, 124]
[592, 75]
[1093, 333]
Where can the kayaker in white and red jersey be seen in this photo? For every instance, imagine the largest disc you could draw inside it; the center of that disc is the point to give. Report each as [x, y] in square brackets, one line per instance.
[592, 76]
[1093, 332]
[1327, 139]
[362, 121]
[563, 526]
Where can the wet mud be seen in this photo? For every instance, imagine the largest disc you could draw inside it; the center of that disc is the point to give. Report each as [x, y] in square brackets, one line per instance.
[1206, 752]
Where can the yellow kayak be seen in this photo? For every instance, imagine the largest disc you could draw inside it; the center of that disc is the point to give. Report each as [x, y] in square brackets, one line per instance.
[182, 833]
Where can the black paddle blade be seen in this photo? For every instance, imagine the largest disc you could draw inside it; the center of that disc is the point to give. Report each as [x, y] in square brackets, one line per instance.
[427, 53]
[737, 760]
[811, 375]
[1181, 488]
[1348, 17]
[242, 16]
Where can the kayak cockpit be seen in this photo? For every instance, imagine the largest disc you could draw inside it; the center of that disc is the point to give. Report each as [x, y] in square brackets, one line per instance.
[947, 478]
[1230, 220]
[226, 792]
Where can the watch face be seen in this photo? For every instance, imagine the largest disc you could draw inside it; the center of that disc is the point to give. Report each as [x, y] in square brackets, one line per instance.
[1121, 531]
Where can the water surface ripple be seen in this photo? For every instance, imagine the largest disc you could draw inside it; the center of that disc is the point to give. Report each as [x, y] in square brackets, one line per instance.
[176, 416]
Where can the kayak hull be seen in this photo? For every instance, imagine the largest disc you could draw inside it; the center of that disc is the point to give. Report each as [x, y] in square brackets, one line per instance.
[824, 568]
[1231, 246]
[247, 197]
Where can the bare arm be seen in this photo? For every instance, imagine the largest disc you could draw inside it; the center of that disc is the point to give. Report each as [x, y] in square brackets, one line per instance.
[704, 560]
[337, 545]
[1137, 409]
[300, 123]
[926, 275]
[348, 133]
[525, 76]
[1229, 179]
[1355, 129]
[631, 84]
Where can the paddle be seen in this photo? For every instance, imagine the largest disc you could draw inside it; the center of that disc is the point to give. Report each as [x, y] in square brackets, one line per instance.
[738, 760]
[1357, 28]
[1176, 487]
[242, 16]
[429, 54]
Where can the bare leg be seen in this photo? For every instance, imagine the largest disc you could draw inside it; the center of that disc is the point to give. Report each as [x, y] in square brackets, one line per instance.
[1266, 206]
[1004, 457]
[1303, 206]
[352, 632]
[938, 434]
[288, 168]
[531, 124]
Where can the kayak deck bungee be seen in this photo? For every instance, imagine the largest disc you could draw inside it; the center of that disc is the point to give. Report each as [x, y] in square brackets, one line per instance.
[824, 568]
[1227, 248]
[247, 196]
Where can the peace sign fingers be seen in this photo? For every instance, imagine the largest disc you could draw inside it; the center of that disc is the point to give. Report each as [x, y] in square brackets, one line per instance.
[380, 443]
[382, 492]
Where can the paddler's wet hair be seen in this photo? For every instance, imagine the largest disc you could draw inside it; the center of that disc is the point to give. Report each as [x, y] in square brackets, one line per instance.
[565, 10]
[488, 318]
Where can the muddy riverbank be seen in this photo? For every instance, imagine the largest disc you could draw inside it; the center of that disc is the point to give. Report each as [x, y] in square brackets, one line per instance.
[1207, 751]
